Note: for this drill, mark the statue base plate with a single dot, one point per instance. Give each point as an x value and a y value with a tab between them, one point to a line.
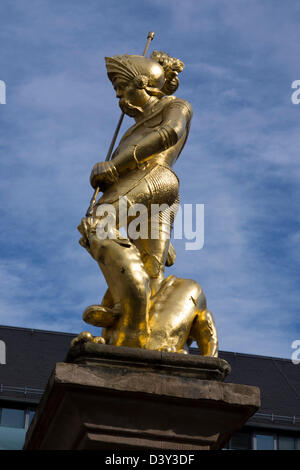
115	398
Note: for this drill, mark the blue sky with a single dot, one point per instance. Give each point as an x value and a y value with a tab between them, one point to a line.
241	159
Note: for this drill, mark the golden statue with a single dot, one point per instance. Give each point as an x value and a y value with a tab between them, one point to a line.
142	308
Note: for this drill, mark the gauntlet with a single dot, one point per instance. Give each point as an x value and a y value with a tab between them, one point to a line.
103	174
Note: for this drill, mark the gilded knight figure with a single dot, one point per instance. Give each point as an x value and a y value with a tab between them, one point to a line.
141	307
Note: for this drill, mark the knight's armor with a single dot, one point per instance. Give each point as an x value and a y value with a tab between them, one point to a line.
141	171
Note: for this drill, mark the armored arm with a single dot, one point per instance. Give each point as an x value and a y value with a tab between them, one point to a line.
176	120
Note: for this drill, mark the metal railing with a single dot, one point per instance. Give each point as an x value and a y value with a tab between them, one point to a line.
23	390
273	417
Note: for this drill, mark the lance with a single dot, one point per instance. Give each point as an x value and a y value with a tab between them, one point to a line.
111	147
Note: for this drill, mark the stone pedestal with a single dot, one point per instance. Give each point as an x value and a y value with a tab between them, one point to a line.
106	397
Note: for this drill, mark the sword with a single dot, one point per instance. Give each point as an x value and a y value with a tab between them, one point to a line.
111	147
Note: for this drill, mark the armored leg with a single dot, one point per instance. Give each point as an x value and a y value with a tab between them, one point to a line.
128	282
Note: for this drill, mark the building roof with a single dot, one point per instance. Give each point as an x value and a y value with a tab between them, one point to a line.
30	358
31	355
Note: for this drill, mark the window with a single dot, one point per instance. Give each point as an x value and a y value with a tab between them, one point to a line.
13	426
286	443
240	441
12	418
244	440
264	442
31	414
